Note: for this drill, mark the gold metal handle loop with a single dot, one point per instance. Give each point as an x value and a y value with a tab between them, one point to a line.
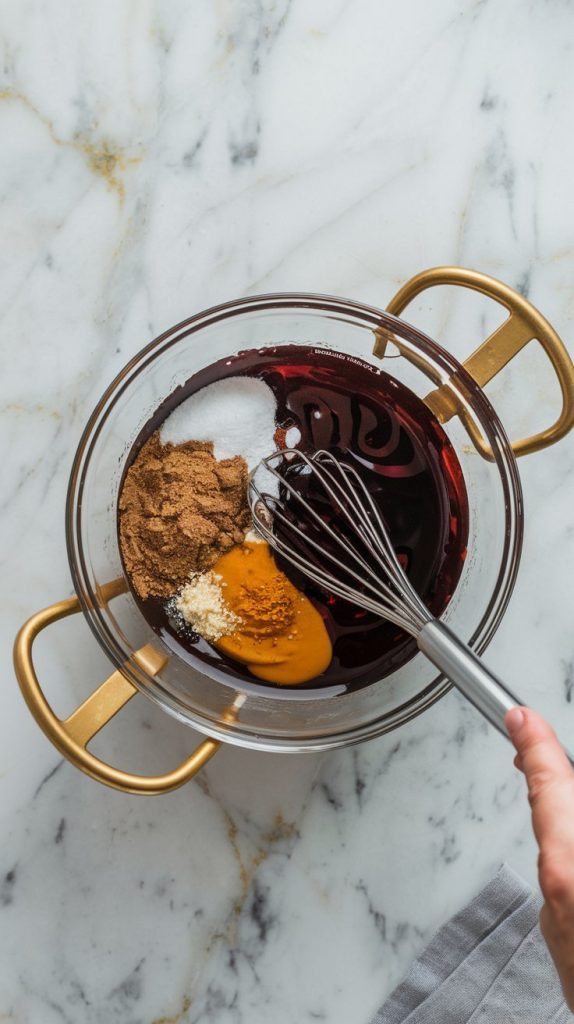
524	323
71	735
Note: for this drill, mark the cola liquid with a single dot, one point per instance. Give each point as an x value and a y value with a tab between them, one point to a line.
374	422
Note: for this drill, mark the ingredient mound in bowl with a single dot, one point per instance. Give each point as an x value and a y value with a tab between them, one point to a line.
183	522
263	621
179	509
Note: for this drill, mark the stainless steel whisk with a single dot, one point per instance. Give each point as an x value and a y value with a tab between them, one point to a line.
377	581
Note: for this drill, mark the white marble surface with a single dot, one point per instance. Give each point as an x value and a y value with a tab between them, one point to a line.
158	158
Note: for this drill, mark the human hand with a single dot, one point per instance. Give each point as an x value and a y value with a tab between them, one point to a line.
550	780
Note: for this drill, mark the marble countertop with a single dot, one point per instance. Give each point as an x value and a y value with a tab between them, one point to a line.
157	159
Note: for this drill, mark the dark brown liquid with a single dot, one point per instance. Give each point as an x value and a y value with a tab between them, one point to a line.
345	405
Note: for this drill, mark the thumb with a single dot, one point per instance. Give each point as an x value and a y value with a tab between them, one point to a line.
547	770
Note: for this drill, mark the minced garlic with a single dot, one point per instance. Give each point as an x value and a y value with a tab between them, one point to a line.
203	606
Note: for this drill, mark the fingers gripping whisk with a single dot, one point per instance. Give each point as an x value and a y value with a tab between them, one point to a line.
348	553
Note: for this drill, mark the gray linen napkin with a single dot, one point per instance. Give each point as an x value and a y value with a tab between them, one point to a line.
488	964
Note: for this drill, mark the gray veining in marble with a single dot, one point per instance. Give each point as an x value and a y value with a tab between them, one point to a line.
157	159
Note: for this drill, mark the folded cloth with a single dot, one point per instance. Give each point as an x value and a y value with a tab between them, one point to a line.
488	964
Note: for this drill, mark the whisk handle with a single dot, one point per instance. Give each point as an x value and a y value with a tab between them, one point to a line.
462	666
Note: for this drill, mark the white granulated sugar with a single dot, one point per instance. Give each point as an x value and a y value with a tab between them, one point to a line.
253	537
292	437
202	604
237	414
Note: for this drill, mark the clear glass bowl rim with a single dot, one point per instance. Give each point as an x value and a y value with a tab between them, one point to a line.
366	315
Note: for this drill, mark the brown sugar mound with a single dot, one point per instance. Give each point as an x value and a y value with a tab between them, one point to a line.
179	510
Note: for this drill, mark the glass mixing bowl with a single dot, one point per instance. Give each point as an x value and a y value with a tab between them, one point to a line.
250	714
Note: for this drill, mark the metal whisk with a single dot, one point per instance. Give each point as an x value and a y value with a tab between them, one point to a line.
356	561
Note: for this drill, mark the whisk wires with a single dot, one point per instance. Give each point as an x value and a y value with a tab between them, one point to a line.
361	550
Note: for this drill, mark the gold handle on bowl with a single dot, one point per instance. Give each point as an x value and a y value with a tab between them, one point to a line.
72	735
523	324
